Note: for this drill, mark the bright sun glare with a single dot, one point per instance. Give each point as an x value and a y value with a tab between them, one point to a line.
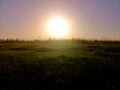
58	27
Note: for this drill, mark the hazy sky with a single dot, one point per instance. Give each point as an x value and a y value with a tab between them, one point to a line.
27	19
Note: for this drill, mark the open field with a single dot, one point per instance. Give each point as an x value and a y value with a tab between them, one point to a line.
59	64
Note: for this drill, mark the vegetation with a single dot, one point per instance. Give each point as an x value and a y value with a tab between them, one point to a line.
59	64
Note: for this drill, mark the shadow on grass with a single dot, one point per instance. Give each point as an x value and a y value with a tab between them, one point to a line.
58	73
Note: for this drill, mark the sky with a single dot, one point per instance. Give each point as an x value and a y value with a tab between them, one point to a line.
88	19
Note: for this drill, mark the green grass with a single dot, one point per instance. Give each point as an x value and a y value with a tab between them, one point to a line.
60	65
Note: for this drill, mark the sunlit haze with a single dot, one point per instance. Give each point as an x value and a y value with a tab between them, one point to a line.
84	19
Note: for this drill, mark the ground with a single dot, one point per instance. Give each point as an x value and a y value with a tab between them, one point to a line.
59	64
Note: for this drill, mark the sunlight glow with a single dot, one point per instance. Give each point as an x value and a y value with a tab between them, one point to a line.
58	27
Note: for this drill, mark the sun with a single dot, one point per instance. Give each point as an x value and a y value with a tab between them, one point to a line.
58	27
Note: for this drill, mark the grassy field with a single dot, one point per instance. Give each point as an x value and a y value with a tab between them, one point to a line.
59	64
